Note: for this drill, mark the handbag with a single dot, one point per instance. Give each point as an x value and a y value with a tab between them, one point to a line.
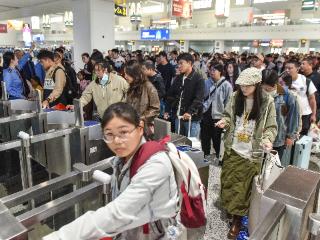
270	170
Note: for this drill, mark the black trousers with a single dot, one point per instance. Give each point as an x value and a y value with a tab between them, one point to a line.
305	124
210	133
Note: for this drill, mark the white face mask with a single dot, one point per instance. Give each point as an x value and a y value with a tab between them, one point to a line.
104	79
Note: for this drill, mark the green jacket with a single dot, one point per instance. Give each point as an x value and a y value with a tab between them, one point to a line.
265	129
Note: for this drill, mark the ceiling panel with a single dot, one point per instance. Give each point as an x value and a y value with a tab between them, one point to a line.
11	9
4	8
22	3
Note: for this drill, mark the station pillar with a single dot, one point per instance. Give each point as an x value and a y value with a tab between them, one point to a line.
93	27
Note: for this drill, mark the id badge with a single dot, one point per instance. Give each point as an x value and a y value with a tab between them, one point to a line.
49	84
243	137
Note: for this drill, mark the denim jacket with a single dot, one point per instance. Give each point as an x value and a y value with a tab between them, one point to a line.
219	99
288	115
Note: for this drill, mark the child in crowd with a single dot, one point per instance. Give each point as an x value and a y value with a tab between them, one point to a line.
82	81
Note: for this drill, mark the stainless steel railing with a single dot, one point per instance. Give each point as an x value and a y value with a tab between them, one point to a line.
13	227
269	223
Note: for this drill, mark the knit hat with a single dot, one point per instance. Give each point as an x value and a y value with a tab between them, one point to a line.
249	76
259	56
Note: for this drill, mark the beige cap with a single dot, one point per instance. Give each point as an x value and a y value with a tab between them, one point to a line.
259	56
249	76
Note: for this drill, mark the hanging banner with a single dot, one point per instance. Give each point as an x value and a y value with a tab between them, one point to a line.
222	8
120	10
15	24
182	8
309	5
3	28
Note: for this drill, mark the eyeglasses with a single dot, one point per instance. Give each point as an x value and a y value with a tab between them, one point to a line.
123	136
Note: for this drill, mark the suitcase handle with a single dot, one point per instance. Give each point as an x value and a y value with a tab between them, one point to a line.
189	125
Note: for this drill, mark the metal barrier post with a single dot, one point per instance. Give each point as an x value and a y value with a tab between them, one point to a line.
4	95
314	225
25	163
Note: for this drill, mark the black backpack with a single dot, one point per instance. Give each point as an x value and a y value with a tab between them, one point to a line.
72	88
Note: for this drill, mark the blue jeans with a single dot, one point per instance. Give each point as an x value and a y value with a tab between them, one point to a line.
162	108
184	127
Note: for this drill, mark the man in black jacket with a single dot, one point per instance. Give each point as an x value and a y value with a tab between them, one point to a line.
186	96
154	77
166	69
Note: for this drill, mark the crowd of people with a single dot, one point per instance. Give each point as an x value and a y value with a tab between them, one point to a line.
263	102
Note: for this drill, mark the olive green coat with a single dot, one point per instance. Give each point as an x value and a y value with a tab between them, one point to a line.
238	172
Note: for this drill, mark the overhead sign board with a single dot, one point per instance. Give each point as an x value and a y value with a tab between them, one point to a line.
155	34
200	4
3	28
222	8
309	5
276	43
120	10
182	8
268	1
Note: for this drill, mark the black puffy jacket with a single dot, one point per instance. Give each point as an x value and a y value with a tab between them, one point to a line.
192	95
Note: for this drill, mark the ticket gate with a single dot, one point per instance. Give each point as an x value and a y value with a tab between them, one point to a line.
54	139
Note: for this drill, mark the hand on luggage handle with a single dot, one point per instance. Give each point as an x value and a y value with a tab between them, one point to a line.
189	125
267	147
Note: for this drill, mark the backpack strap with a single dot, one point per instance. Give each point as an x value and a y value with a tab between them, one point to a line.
143	154
54	73
214	90
140	157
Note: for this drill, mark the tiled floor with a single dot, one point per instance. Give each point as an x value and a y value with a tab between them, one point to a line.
217	227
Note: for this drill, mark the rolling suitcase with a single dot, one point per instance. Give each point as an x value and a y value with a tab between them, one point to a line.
196	154
195	142
302	152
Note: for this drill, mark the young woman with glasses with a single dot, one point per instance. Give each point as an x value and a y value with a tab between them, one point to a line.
149	197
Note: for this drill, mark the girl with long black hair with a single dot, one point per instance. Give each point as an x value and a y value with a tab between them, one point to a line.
250	122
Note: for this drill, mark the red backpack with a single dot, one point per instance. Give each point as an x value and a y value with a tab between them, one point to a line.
192	192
